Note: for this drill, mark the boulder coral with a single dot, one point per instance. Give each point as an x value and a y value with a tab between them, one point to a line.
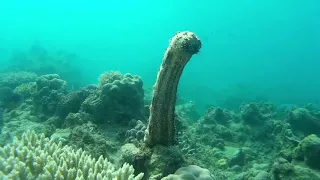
117	100
50	89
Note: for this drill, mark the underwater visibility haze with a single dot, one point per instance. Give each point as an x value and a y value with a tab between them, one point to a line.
160	90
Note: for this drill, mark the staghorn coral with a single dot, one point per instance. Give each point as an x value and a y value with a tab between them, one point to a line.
37	157
161	128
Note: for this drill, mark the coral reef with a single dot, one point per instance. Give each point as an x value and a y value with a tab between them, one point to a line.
191	172
117	100
76	119
161	130
9	99
304	121
70	104
88	137
164	161
308	151
50	89
255	113
188	111
284	170
40	61
1	118
100	131
18	120
28	90
109	77
137	133
14	79
37	157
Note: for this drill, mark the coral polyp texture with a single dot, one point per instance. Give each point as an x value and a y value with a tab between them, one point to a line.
161	128
37	157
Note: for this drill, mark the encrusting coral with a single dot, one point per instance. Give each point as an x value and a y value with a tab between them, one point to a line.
161	129
37	157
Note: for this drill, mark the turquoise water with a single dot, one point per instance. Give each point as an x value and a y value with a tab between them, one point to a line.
253	49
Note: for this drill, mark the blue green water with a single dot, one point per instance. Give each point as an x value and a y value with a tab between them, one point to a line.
254	49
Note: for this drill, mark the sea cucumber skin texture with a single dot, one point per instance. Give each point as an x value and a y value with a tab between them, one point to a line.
161	127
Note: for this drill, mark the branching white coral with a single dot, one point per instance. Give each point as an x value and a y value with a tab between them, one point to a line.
37	157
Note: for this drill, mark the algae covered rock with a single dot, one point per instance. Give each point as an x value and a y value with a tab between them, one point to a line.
304	121
164	161
284	170
254	174
309	151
